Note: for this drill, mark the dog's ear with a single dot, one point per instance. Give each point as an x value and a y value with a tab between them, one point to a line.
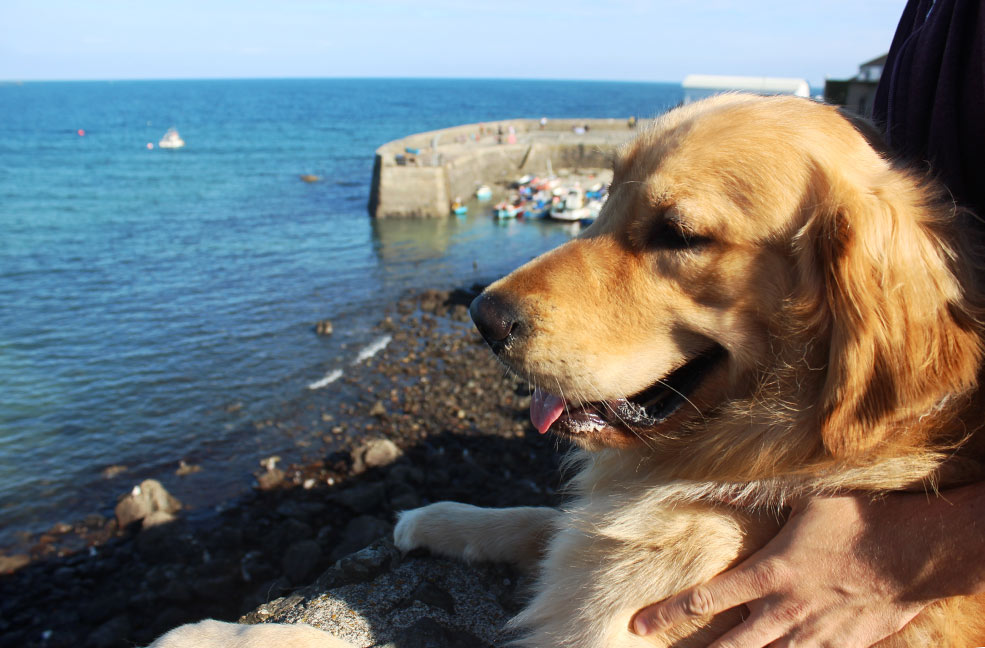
882	279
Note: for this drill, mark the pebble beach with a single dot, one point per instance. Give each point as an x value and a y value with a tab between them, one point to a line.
432	416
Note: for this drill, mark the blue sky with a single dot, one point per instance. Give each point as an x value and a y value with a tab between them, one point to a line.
662	40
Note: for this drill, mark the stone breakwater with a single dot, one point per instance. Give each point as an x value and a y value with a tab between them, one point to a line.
419	176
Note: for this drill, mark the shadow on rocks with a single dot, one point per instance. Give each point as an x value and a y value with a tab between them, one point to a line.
377	597
138	585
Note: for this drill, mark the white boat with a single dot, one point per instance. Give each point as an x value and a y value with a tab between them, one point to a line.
171	140
483	193
571	207
576	214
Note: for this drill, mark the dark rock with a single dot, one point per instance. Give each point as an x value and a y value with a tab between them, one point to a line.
360	498
166	544
362	565
430	594
428	633
406	502
282	535
108	604
176	591
110	634
340	461
404	474
300	560
359	533
63	575
172	617
269	591
254	566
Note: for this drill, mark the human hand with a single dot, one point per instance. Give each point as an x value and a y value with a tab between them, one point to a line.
843	571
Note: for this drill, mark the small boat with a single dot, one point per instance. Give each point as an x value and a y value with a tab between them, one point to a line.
171	140
596	191
536	211
571	207
576	214
483	193
506	210
458	208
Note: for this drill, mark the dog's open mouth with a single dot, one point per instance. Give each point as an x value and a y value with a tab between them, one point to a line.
647	409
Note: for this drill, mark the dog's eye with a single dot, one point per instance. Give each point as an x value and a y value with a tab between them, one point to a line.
668	236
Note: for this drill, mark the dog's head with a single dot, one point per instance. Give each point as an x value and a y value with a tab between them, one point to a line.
755	254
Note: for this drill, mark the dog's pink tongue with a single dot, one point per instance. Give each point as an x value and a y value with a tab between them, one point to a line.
545	409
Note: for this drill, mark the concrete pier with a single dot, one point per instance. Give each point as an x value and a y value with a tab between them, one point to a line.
420	175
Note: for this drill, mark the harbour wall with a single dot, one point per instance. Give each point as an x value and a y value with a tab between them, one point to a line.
420	175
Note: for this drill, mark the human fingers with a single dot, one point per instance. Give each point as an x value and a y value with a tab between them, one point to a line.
756	632
747	582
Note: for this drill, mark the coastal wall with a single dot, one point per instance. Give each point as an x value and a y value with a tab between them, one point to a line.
451	163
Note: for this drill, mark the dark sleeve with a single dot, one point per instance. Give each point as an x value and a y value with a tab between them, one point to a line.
931	96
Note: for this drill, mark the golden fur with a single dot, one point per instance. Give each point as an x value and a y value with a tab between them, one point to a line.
840	289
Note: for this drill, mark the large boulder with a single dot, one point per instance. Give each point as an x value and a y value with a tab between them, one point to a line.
148	503
377	597
375	453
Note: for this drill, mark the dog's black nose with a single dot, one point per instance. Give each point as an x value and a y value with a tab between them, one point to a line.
495	317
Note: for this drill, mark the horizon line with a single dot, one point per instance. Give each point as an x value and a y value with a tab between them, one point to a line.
15	80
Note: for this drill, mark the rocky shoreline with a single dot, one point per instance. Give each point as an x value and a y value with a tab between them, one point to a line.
431	417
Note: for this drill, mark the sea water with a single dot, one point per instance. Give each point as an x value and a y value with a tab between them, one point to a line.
153	301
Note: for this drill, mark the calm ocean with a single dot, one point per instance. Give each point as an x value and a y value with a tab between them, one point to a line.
152	302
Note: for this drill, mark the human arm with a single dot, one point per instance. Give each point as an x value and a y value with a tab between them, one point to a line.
844	571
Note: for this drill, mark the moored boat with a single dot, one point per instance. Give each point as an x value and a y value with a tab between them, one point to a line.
171	140
505	210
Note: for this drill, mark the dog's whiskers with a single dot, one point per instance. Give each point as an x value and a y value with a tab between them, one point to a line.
688	400
561	394
608	406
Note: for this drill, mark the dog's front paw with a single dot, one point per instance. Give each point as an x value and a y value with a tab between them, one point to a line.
410	532
404	534
441	528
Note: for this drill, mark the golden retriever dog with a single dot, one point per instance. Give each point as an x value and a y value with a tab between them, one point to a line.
766	308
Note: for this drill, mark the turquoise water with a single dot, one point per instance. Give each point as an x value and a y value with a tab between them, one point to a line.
152	302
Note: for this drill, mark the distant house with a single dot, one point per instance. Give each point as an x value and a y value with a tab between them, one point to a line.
699	86
858	93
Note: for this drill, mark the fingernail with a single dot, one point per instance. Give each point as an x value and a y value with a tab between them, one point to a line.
640	626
